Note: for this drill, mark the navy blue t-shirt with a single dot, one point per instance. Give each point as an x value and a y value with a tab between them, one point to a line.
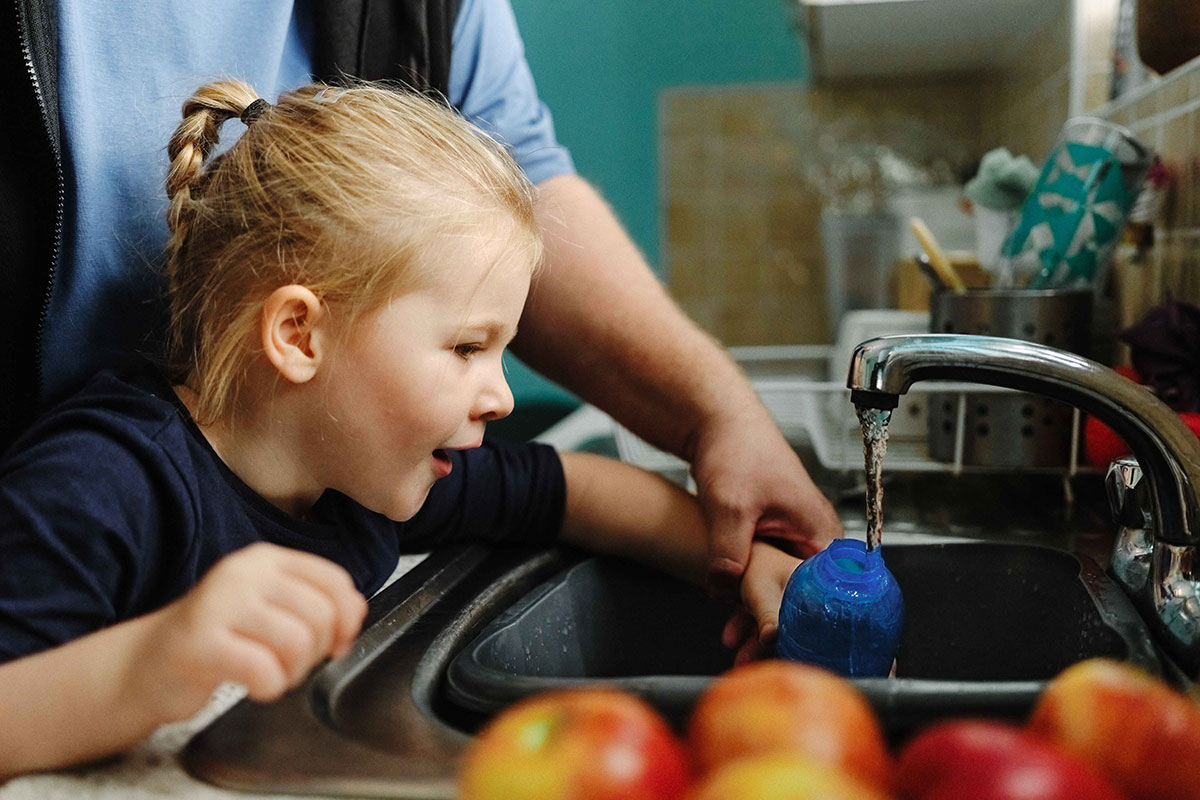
113	504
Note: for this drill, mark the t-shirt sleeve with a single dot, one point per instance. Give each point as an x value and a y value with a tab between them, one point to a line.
491	84
73	511
500	492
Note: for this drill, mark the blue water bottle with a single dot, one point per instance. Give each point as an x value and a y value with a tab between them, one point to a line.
842	610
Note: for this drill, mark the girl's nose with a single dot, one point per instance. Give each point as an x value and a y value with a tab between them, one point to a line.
496	399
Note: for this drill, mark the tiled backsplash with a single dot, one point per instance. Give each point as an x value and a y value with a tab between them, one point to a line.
739	223
745	174
1025	103
743	188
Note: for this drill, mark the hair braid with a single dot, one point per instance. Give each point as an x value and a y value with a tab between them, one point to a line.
191	144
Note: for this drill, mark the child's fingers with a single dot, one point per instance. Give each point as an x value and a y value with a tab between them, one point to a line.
288	637
311	606
336	585
762	595
248	662
752	649
738	628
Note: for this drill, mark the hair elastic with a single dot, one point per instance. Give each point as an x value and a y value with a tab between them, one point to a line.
254	111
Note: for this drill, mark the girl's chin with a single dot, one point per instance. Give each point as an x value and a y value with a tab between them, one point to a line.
405	508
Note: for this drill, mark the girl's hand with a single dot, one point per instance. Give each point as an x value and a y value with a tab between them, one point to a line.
751	630
262	617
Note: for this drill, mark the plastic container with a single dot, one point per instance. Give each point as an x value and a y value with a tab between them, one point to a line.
1075	213
992	227
842	610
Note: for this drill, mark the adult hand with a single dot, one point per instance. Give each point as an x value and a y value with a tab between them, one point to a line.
262	617
751	484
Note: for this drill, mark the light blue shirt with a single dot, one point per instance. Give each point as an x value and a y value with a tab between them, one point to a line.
125	68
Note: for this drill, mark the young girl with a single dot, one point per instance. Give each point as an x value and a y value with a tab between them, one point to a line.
343	283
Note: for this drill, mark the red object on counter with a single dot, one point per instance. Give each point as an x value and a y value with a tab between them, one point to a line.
989	760
1132	727
1102	445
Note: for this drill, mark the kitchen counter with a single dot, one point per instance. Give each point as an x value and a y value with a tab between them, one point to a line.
148	770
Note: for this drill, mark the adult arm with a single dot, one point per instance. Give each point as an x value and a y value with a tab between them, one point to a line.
599	322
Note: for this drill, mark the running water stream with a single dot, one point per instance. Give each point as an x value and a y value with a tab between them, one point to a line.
874	422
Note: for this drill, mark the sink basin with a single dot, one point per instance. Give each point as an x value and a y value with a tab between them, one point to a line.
986	625
472	629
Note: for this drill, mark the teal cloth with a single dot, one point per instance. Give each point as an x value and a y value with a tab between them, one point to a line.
1003	180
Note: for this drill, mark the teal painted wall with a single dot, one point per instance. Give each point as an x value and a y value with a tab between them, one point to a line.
600	65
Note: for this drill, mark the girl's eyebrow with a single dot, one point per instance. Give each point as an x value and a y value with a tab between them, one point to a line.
492	329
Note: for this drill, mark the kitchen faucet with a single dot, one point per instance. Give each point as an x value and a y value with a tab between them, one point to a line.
1167	454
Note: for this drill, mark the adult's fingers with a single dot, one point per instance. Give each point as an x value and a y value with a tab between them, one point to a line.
803	533
731	530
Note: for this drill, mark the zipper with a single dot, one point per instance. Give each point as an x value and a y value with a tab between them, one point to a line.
60	207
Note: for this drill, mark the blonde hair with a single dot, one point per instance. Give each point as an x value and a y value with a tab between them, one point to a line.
345	191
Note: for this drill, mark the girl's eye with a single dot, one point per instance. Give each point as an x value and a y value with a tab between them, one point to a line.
465	351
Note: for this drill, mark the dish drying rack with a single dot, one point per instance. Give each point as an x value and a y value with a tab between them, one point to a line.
798	386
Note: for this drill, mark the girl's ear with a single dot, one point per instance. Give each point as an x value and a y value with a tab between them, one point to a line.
293	337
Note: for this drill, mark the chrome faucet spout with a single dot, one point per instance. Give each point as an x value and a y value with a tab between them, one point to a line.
1157	554
1169	453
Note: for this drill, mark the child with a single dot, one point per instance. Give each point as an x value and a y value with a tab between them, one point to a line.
343	282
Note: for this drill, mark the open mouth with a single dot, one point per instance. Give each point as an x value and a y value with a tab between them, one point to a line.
442	465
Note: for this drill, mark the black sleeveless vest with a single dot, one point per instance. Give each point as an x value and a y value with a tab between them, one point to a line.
406	41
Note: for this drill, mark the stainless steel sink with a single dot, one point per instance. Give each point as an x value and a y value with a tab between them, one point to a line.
988	623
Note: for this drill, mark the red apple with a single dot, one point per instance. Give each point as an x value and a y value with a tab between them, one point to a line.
781	777
1138	730
771	707
583	744
985	760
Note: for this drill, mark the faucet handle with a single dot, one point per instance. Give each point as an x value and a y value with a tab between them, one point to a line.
1128	493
